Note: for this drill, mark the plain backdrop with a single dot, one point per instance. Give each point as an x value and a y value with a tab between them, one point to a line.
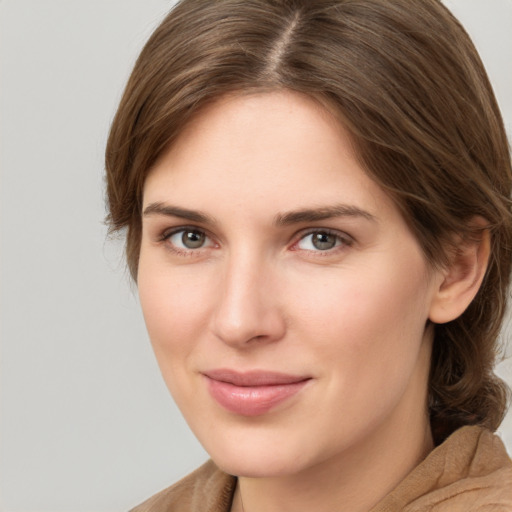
87	424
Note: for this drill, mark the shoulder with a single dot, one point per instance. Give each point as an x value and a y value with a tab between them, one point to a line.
469	472
482	471
207	489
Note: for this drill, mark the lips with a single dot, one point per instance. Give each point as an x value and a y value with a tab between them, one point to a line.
252	393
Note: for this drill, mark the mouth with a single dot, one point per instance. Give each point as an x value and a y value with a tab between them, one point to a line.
252	393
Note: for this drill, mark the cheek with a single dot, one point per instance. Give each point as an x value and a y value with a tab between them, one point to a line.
174	305
370	318
366	329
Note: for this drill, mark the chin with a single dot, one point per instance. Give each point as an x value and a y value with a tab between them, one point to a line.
257	456
264	466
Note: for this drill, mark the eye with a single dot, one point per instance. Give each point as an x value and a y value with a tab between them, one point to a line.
321	240
187	239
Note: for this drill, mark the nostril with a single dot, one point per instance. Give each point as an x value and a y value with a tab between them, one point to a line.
245	311
249	328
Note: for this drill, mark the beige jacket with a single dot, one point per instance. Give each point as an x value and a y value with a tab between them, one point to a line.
469	472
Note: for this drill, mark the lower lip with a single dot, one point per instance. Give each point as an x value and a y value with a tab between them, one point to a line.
252	400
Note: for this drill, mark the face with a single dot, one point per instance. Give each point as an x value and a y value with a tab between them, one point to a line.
284	295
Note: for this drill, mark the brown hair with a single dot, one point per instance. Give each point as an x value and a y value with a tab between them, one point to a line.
406	81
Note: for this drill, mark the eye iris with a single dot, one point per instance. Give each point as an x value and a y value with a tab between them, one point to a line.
323	241
193	239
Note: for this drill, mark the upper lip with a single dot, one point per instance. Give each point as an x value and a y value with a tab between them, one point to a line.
253	377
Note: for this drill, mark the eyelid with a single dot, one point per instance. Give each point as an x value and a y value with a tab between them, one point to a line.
166	234
345	239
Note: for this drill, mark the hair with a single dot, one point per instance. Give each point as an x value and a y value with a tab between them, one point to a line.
405	79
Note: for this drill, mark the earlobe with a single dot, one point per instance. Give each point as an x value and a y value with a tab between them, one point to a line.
462	279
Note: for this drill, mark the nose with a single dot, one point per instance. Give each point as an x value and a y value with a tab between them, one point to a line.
248	308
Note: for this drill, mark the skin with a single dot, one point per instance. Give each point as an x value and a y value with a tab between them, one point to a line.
258	294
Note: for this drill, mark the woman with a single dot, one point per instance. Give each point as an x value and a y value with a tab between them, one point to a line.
317	203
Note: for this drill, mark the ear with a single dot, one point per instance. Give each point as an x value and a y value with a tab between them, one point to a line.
461	280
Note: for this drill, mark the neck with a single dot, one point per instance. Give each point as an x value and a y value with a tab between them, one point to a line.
357	482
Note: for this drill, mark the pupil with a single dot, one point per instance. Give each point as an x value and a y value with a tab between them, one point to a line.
192	239
324	241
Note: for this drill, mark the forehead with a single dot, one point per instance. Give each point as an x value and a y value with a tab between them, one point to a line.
253	115
274	151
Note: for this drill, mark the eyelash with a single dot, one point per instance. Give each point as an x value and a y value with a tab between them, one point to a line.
343	240
168	234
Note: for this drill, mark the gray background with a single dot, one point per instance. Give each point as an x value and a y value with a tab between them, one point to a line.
86	422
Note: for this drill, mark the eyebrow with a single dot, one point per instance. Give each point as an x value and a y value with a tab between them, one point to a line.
322	213
281	219
177	211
